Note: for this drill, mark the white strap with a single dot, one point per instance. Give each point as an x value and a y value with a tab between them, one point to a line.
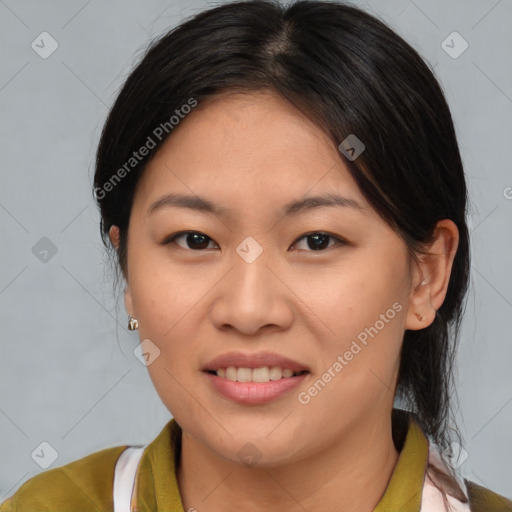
432	498
124	477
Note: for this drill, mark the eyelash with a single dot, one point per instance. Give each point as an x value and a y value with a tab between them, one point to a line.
172	238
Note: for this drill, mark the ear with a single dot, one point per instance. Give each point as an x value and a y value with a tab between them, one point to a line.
113	234
431	276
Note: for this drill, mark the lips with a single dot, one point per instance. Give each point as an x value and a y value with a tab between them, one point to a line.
256	360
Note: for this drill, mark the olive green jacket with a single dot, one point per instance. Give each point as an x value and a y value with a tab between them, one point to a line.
87	483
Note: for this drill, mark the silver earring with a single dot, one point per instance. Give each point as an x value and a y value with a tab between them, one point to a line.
133	323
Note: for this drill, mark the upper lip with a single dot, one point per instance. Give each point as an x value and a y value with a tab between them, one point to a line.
256	360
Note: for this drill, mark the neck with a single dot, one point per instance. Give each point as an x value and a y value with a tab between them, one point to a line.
350	474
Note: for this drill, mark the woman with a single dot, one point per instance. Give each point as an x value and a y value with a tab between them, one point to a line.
285	200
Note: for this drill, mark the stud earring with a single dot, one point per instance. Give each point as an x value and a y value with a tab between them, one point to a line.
133	323
419	317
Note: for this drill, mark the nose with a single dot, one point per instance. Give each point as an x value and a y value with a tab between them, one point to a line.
252	297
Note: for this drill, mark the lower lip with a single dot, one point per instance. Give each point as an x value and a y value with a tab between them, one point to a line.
254	393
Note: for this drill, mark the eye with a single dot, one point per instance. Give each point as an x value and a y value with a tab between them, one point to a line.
318	240
195	240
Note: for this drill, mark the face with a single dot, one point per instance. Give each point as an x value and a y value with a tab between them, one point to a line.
328	287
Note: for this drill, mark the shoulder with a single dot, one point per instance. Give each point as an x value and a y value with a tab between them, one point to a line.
84	484
482	499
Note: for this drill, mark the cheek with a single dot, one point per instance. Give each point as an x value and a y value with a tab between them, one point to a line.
162	292
353	295
163	303
363	306
171	304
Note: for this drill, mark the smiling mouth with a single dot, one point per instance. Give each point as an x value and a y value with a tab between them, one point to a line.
258	375
255	386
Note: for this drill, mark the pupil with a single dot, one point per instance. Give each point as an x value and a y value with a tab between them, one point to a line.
318	238
193	238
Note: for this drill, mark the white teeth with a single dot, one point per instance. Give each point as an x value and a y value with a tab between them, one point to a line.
263	374
260	374
244	375
275	373
231	373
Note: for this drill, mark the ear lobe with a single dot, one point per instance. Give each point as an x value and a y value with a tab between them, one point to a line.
113	234
432	276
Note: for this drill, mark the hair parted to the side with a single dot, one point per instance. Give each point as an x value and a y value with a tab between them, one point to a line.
351	74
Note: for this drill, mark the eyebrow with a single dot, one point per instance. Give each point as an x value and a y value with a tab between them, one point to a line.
293	208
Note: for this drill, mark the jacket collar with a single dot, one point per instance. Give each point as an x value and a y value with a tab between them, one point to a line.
157	486
405	487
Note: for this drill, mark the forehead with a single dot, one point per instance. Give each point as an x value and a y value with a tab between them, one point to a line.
248	150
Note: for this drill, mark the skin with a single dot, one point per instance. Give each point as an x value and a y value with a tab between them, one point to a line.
253	153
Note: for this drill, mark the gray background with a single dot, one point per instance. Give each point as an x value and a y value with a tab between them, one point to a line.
64	378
